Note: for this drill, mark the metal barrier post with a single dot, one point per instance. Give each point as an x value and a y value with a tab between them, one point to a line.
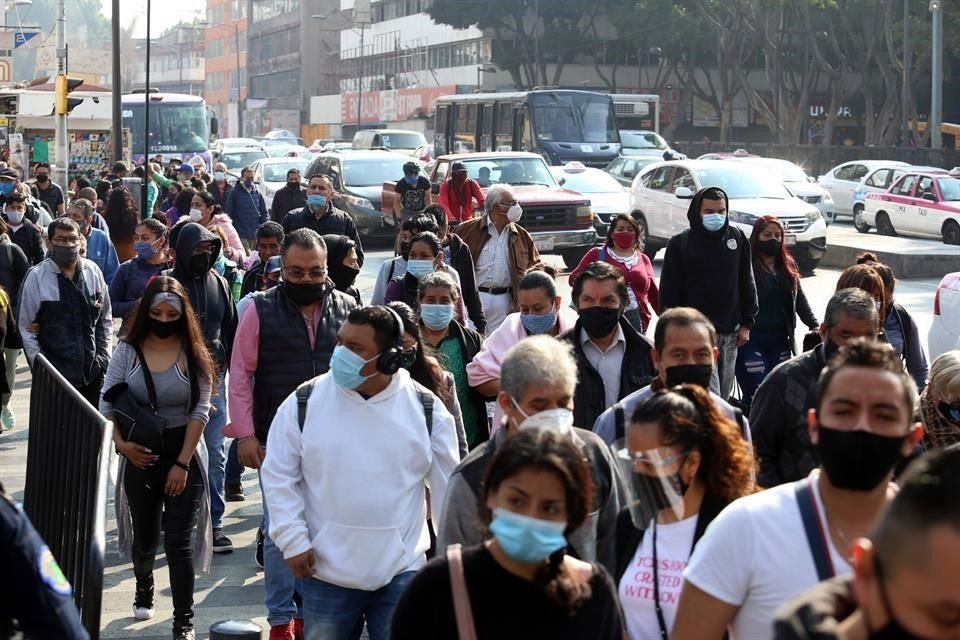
235	630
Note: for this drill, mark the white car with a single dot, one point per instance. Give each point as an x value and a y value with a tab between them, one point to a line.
797	182
878	180
945	329
843	180
270	174
607	196
923	204
661	197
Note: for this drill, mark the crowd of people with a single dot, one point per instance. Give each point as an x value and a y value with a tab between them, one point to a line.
469	455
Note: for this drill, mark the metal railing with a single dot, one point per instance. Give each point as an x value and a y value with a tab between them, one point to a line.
65	494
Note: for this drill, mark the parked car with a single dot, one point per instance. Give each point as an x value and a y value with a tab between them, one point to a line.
661	196
283	134
626	168
560	220
797	182
843	180
876	181
923	204
392	139
945	328
337	146
270	174
358	178
607	196
643	143
298	151
238	157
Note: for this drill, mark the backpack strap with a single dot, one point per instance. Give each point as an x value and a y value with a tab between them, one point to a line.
602	254
816	535
619	421
303	395
147	378
462	611
426	399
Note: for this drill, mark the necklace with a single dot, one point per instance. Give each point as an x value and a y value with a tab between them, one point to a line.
841	534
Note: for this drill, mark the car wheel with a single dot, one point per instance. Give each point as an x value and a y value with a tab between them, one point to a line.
884	226
951	233
858	222
572	257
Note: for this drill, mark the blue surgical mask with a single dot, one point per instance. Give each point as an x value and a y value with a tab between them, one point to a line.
145	250
219	175
412	180
525	539
537	324
345	367
714	221
316	201
436	316
6	188
419	268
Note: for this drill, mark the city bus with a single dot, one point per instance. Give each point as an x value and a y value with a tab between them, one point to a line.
180	125
559	124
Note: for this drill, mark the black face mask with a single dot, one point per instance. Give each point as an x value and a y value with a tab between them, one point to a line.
344	276
405	251
829	349
651	492
599	322
857	460
698	374
163	329
199	265
294	185
769	247
42	178
304	293
408	358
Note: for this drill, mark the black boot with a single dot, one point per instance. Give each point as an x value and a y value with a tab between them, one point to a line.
143	601
183	632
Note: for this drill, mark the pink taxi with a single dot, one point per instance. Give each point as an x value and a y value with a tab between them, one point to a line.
920	203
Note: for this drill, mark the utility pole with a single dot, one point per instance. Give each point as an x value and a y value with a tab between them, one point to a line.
63	149
117	81
144	214
360	79
905	93
236	47
936	72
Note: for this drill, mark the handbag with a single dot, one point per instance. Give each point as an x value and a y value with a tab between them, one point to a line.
466	630
137	423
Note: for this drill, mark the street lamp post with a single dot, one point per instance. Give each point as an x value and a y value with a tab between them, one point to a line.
936	72
116	107
146	124
483	69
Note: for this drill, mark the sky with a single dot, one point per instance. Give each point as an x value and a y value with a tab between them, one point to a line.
162	15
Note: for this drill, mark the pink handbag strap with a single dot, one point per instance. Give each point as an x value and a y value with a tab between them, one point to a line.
461	598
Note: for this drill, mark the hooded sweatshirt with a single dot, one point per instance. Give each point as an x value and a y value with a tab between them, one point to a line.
342	276
710	271
209	293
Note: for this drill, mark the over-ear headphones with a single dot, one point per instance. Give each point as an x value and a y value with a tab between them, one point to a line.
389	362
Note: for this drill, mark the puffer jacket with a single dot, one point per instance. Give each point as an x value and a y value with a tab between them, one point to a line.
247	209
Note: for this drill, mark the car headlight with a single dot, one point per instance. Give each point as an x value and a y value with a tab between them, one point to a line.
813	216
585	213
358	202
743	218
827	197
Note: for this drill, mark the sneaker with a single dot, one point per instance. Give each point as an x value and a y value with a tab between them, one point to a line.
298	629
282	631
234	493
221	543
7	419
143	600
183	633
258	557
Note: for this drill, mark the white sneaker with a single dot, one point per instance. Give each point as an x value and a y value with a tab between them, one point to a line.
142	613
7	419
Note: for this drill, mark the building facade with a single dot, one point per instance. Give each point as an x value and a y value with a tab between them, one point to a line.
176	61
225	85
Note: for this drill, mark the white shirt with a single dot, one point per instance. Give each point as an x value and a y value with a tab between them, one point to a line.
351	485
607	363
493	263
755	556
674	542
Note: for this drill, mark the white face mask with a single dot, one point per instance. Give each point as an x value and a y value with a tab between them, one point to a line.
196	215
514	213
14	217
559	419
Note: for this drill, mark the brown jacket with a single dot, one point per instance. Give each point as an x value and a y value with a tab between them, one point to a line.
523	251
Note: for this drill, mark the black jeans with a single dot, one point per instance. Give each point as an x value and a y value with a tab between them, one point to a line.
152	508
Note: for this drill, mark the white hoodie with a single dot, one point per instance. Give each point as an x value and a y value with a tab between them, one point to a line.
351	486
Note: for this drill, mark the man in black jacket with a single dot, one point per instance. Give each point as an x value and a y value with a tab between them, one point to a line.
778	415
613	360
269	240
457	255
292	196
24	233
708	267
321	216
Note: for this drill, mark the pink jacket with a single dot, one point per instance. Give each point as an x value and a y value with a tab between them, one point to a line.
485	366
233	250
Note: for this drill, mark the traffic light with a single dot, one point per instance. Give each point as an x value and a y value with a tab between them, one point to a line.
64	85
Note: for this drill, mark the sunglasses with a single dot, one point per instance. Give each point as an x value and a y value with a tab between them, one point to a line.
949	411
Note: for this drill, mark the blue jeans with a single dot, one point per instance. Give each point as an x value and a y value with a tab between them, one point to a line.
213	437
338	613
234	468
279	584
757	358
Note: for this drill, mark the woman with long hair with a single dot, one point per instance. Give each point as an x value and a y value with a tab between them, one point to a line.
166	366
623	251
684	461
122	218
780	299
128	284
520	583
181	206
205	211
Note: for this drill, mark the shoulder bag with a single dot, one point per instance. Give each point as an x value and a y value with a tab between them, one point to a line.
466	630
137	423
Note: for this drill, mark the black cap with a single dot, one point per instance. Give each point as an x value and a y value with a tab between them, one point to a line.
9	173
458	167
411	167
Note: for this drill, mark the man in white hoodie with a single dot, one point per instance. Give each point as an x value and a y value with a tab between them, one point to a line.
345	481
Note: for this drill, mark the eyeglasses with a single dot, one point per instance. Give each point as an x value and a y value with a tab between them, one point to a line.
66	241
507	205
296	275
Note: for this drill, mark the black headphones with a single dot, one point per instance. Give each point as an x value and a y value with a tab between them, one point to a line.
389	362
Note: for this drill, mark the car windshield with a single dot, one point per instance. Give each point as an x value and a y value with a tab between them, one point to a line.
787	171
743	182
277	171
516	171
372	172
573	117
240	159
642	140
591	182
949	188
409	141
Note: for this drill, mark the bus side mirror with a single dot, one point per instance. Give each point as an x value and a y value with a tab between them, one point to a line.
214	126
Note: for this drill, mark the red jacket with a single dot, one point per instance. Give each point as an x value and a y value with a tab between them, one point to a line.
450	200
640	279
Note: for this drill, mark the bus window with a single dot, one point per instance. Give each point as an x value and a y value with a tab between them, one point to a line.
441	139
470	131
503	132
522	130
486	127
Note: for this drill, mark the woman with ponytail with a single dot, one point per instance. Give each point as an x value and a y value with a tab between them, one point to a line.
205	211
520	583
685	462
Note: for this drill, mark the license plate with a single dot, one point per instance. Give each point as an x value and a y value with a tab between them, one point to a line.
544	244
790	240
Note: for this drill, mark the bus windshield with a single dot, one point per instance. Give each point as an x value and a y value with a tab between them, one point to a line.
573	117
174	127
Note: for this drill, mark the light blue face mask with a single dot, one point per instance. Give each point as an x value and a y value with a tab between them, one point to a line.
316	201
345	366
436	316
419	268
525	539
6	188
714	221
412	180
538	324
